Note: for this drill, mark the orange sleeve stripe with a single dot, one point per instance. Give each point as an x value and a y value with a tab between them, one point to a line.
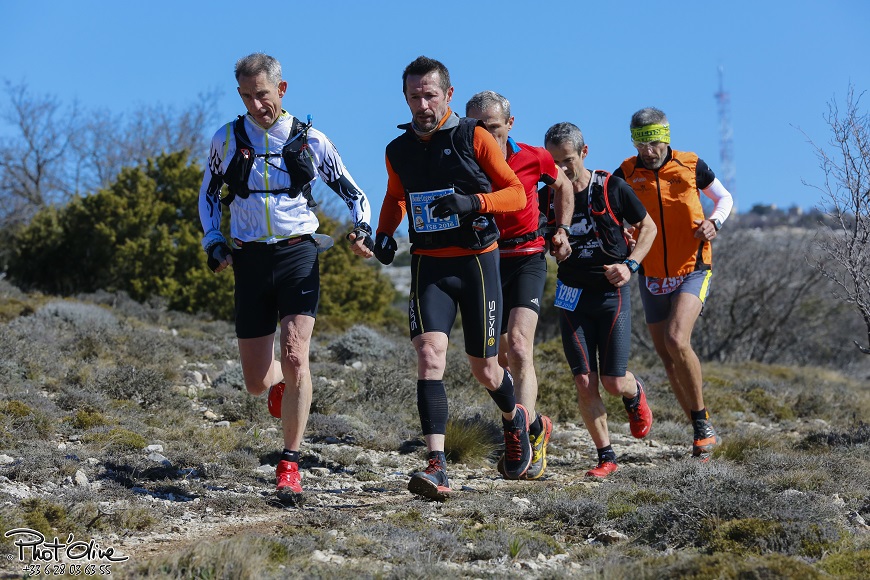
508	194
393	208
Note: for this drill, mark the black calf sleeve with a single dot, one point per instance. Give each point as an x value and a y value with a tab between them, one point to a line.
432	406
504	394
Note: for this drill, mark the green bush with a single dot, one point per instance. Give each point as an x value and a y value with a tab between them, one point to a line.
141	235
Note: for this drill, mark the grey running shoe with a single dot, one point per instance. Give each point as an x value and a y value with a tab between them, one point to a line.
517	448
705	439
432	482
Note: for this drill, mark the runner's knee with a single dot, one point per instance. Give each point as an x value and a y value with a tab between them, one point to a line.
487	372
613	385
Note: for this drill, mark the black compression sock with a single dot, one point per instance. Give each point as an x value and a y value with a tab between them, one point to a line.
632	402
504	394
536	427
700	415
606	454
291	456
432	406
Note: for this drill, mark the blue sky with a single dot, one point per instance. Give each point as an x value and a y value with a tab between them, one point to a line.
593	64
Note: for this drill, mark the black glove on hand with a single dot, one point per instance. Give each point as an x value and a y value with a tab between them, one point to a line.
454	203
385	248
217	253
363	230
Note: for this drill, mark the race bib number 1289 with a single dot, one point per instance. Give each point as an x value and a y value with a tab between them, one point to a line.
566	296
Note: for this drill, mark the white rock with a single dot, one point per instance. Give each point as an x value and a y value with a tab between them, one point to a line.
81	478
521	502
157	458
156	447
6	460
222	424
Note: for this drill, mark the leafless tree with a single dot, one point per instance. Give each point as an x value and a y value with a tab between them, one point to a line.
846	200
36	166
111	141
767	304
52	152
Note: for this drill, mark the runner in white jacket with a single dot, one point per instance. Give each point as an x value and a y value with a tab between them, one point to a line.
271	249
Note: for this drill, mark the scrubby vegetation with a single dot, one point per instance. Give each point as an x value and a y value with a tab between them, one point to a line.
127	424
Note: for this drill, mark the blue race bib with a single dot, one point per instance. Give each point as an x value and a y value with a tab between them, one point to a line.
422	216
566	296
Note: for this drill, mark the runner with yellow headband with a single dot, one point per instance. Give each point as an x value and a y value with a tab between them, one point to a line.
676	273
651	133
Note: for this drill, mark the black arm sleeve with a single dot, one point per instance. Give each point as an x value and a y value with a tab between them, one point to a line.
704	176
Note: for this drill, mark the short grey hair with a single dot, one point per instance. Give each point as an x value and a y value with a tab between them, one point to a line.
565	132
648	116
256	63
486	99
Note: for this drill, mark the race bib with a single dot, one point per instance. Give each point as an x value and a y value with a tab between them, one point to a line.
566	296
422	216
662	286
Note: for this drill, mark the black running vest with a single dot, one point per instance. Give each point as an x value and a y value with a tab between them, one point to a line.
297	162
446	160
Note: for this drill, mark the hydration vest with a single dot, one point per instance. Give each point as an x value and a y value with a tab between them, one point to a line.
606	226
446	160
297	160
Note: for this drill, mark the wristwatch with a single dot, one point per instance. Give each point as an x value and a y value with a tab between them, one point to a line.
565	227
632	265
717	224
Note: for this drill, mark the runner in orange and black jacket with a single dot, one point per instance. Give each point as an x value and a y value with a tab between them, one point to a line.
449	176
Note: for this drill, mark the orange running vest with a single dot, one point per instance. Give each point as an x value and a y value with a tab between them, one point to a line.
672	198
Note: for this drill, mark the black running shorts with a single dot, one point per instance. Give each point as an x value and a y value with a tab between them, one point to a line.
598	332
439	285
522	283
274	281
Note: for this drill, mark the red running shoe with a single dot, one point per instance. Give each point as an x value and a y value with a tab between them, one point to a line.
288	476
640	419
602	470
276	394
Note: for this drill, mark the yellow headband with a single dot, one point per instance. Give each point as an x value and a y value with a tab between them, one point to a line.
650	133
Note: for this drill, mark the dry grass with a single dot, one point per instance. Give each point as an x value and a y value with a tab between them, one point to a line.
86	385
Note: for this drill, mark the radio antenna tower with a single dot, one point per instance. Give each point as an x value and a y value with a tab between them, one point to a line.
726	145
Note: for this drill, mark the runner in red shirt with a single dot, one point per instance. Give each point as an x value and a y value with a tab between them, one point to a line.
523	260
